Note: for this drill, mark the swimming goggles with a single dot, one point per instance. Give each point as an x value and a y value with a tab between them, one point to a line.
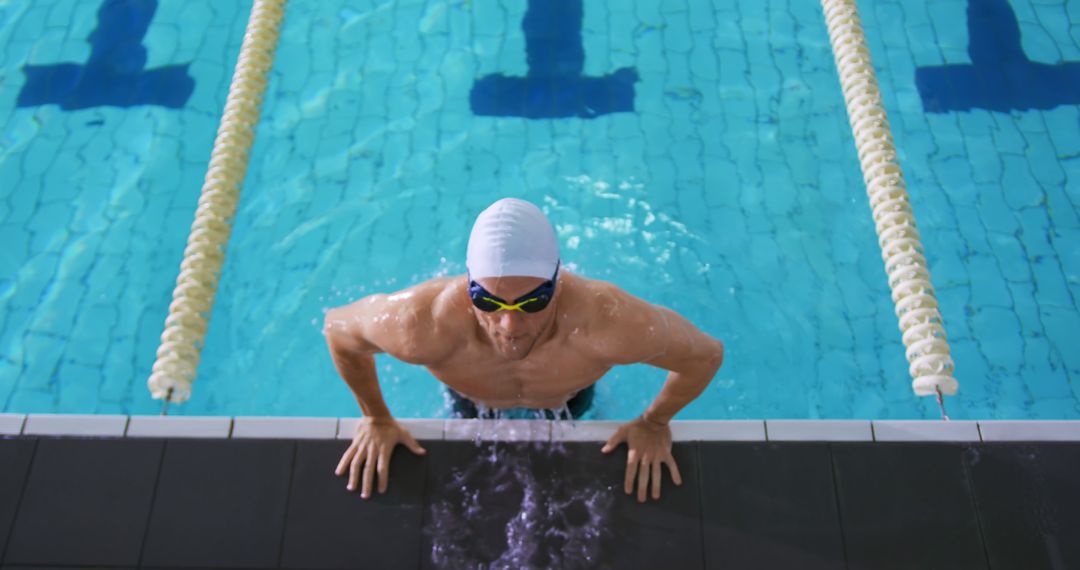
532	302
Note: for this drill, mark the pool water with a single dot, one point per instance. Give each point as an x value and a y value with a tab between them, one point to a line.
726	187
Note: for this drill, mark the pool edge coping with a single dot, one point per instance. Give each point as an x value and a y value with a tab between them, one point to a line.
328	428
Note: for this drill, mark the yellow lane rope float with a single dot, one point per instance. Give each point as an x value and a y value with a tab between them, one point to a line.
931	367
185	327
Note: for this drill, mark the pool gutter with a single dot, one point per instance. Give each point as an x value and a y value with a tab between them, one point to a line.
260	427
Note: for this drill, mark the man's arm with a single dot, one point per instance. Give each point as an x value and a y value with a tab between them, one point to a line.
638	331
354	355
354	334
692	359
401	324
660	337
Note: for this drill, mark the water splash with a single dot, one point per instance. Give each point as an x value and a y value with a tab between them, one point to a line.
505	510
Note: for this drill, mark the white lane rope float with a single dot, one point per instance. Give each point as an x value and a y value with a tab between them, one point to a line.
185	326
931	366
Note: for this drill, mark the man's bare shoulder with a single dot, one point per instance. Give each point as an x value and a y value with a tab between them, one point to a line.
420	324
606	303
622	328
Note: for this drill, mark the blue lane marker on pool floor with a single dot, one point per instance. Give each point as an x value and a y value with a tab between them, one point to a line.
115	74
1000	77
554	86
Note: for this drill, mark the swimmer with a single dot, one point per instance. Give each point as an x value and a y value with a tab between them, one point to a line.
517	331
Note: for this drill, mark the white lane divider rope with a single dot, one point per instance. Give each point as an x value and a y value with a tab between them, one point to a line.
185	327
931	367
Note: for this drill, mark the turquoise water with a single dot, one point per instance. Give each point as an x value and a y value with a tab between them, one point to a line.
731	194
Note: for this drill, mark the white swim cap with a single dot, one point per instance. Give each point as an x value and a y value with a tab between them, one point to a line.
512	238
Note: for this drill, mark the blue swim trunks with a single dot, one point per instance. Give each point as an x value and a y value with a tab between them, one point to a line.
464	408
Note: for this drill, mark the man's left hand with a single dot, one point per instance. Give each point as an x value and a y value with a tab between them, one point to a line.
650	446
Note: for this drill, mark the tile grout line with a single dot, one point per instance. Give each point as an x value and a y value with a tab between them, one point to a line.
18	505
970	476
288	502
153	501
701	503
836	499
424	506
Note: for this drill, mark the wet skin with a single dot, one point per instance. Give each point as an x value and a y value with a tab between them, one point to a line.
509	359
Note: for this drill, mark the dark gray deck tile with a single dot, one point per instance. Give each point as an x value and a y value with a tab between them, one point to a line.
220	503
71	568
554	506
769	506
63	567
1028	498
906	506
86	503
329	527
15	455
654	534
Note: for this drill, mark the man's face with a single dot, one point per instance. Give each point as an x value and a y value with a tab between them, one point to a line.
514	333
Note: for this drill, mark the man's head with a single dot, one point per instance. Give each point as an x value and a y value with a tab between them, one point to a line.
513	261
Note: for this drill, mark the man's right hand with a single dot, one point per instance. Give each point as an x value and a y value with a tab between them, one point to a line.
370	451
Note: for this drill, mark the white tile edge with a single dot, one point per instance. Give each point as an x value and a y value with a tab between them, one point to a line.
420	429
205	427
718	430
584	430
76	425
786	430
1029	430
12	424
284	427
111	425
431	430
485	430
957	431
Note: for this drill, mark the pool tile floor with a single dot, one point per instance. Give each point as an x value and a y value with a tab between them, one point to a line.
194	503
